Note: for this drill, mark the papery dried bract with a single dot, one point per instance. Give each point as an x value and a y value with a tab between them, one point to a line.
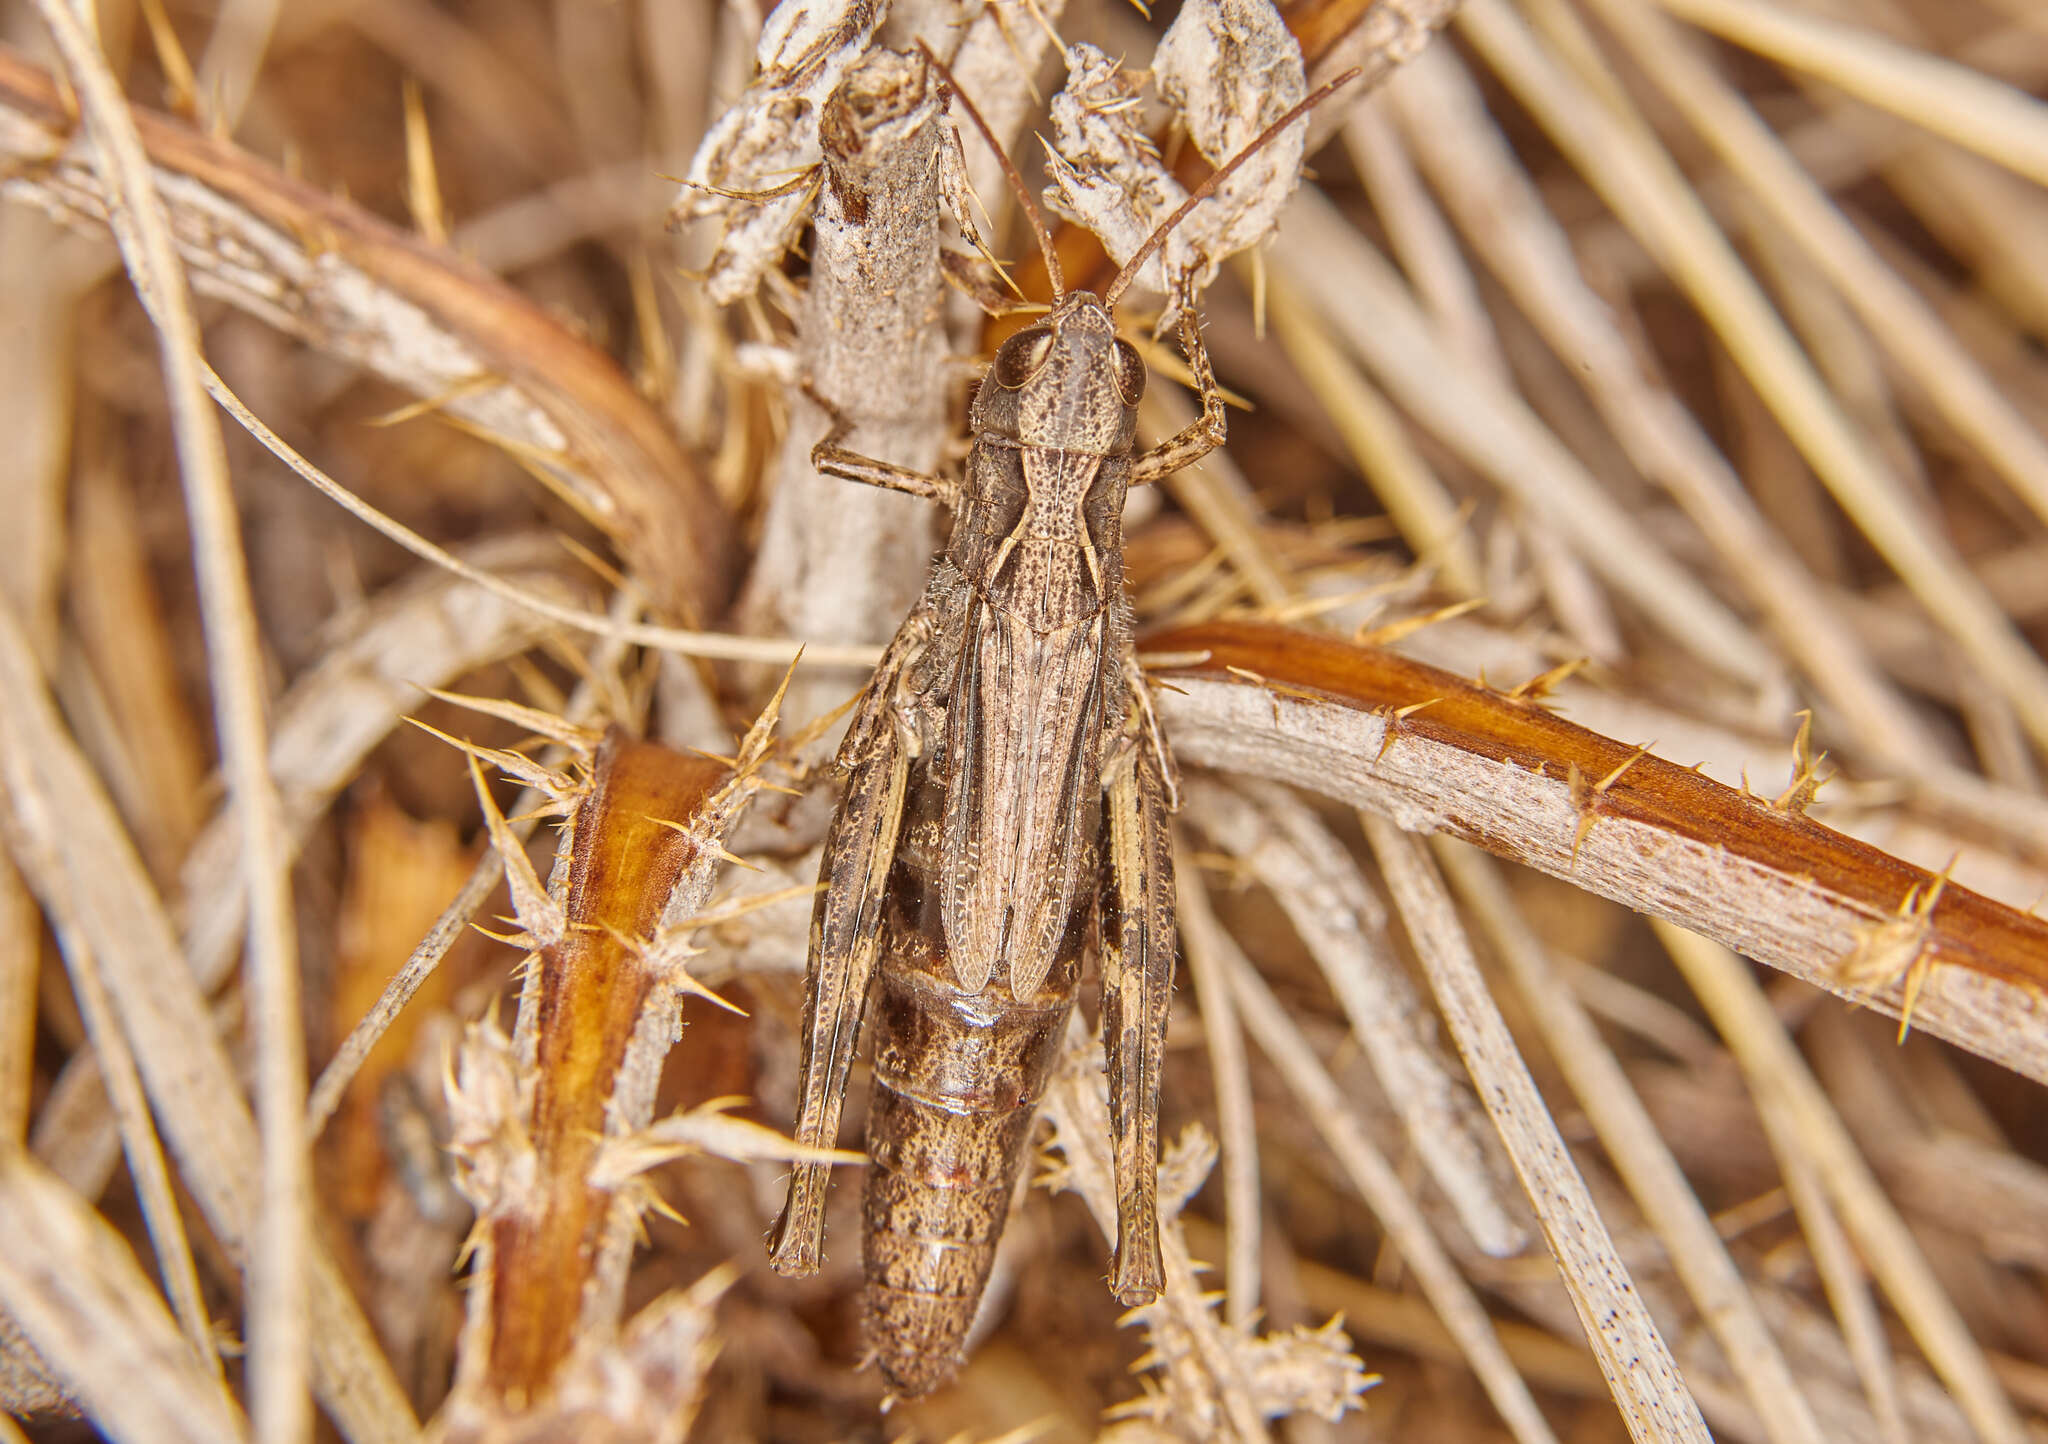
488	1105
769	138
1229	68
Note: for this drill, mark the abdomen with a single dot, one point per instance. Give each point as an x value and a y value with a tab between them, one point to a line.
957	1080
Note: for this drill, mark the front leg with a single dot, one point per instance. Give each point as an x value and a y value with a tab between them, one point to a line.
832	459
1137	986
1200	437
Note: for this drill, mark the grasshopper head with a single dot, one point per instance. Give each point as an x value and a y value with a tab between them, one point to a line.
1068	383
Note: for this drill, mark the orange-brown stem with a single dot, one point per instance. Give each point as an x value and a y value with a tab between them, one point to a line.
593	986
1442	753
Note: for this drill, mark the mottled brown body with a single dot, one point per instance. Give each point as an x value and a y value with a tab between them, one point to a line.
957	1078
1005	790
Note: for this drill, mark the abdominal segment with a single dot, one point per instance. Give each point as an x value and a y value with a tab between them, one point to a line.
957	1080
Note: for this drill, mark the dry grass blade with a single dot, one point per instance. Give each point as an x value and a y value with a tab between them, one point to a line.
278	1290
183	1063
1969	108
1646	189
1629	1135
1779	1078
1654	1401
74	1287
1501	214
1497	434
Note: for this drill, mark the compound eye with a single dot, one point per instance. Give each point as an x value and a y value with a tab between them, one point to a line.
1021	357
1130	373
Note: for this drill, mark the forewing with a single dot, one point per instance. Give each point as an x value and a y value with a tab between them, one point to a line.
1138	938
1024	738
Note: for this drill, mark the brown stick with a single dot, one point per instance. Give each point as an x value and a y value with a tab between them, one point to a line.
1439	753
347	283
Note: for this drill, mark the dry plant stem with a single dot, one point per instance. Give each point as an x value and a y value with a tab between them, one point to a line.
1444	122
1842	1276
1421	506
1236	1124
425	631
1780	1080
139	1142
1343	925
1970	108
326	1093
1377	36
837	562
58	802
1918	341
1441	754
74	1287
1380	1187
1642	185
1493	430
277	1289
554	1268
343	281
1629	1136
1651	1394
21	938
673	639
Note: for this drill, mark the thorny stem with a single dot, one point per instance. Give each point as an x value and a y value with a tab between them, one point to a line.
1442	754
843	563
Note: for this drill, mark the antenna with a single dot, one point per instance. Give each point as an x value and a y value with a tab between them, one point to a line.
1203	191
1031	210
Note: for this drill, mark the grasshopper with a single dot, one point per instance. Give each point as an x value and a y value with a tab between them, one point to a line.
1007	787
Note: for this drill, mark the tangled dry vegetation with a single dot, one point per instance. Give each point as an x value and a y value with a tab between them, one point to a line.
1639	397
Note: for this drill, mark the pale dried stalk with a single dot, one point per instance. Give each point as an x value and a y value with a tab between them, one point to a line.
1780	1081
1283	845
839	562
1919	343
278	1291
424	631
1494	431
1842	1276
1643	186
1970	108
139	1139
1419	503
1380	1186
183	1063
328	272
1739	889
21	940
1631	1141
1497	207
1644	1378
1237	1127
74	1287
